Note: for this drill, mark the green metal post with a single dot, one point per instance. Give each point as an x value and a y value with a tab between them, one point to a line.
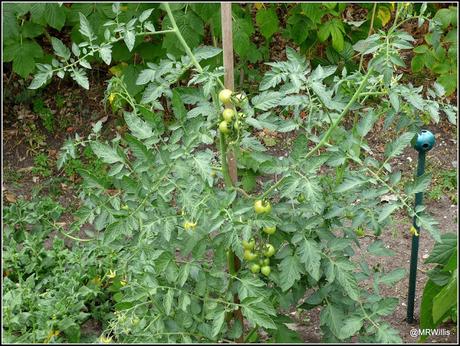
423	143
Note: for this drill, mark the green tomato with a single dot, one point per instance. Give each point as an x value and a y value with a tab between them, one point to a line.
264	262
249	255
266	270
236	125
270	230
255	268
223	127
228	114
261	207
270	250
268	207
225	96
249	245
258	207
301	198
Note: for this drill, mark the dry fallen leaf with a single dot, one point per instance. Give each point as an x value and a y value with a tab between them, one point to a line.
10	197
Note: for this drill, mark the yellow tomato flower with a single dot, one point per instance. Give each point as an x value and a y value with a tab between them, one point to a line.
111	98
413	231
111	274
50	335
189	225
105	340
123	282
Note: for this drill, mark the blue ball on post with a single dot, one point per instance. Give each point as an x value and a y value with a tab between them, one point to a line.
424	141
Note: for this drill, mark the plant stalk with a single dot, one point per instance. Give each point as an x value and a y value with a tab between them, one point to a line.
328	133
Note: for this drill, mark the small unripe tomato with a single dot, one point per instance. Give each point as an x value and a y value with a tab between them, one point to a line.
266	270
223	127
270	250
255	268
228	114
261	207
236	125
249	245
225	96
270	230
249	255
266	261
258	207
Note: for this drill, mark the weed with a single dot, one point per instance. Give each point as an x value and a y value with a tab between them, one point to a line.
444	183
42	165
45	114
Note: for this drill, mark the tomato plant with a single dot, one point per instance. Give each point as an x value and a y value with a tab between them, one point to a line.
184	286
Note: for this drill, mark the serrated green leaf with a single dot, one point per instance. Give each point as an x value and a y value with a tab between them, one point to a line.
290	270
250	286
387	210
396	147
332	317
310	256
79	75
420	184
106	54
218	322
347	280
60	48
266	100
85	27
105	153
350	183
392	277
139	128
168	301
351	326
377	248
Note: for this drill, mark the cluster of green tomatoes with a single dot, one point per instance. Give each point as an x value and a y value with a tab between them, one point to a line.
230	119
258	255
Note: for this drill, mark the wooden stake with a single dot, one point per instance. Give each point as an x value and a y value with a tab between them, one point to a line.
227	46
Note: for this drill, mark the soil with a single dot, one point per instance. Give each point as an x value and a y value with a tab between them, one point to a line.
85	108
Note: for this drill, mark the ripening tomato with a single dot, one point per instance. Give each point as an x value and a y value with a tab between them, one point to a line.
228	114
225	96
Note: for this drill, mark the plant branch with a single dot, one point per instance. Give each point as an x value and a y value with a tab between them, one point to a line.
342	114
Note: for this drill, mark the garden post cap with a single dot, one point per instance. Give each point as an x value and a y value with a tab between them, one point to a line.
424	141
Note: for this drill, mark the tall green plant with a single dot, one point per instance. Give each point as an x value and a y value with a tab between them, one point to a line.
172	222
